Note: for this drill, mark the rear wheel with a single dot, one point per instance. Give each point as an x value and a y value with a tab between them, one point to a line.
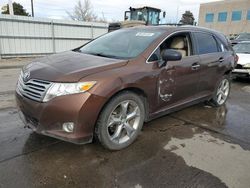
120	121
222	92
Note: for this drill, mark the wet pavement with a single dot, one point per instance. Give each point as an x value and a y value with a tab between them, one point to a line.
30	160
197	147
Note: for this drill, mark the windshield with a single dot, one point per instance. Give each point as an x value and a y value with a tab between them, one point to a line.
242	48
139	15
244	36
121	44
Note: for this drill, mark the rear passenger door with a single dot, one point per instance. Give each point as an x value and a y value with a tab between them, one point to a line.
211	59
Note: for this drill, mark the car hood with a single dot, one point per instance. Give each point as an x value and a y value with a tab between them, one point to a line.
70	66
243	58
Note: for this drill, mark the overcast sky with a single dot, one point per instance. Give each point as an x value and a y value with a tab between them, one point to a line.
111	9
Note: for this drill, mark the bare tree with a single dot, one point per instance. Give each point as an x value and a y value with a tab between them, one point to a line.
83	11
102	19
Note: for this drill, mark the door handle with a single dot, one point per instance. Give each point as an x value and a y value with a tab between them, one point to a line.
221	59
195	66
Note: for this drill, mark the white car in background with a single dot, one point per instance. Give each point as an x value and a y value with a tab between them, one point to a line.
242	68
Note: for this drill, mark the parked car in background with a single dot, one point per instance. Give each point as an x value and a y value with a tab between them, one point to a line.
110	86
242	68
241	37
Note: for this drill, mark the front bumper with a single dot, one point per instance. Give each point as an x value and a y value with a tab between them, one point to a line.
47	118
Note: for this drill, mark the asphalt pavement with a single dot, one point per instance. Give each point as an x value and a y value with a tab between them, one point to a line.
199	146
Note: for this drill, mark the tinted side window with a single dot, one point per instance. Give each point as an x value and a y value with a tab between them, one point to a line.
206	43
180	42
222	47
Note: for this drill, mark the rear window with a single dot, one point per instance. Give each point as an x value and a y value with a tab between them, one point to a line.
206	43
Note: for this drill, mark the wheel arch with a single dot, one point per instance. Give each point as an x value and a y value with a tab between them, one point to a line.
135	90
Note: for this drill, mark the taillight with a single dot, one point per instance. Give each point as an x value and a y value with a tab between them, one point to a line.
236	59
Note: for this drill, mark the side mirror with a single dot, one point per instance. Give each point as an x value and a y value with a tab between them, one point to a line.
127	15
164	14
170	55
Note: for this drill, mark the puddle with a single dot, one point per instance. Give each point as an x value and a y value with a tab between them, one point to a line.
229	162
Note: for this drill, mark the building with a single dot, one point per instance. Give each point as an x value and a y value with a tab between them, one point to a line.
229	16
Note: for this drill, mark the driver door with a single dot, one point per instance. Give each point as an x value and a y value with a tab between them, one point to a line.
178	80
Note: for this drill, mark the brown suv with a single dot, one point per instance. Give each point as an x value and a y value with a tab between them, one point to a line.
110	86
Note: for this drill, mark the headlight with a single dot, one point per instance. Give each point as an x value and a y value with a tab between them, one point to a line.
59	89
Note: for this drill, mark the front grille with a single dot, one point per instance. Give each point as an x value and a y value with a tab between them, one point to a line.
33	89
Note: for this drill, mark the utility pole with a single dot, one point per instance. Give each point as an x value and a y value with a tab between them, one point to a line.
32	8
11	10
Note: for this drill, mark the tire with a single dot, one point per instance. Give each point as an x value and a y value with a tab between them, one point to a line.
120	121
222	92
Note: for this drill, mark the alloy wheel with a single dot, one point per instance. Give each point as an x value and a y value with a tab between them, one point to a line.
123	121
223	91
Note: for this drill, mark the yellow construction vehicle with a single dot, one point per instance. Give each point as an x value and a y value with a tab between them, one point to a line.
138	16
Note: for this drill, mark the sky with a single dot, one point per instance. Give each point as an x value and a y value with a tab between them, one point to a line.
112	10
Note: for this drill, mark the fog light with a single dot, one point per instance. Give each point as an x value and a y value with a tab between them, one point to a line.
68	127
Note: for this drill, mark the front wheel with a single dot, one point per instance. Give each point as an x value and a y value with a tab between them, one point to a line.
222	92
120	121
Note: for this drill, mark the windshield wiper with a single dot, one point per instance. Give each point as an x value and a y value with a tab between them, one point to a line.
105	55
101	54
